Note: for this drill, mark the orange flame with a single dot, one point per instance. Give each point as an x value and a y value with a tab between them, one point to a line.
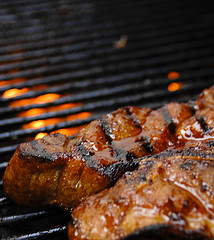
13	81
38	111
11	93
65	131
175	86
50	97
40	135
69	131
32	112
173	75
42	123
35	124
46	98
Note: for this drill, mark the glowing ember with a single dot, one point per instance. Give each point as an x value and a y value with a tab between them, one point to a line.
46	98
40	135
69	131
81	115
174	86
50	97
13	81
63	107
173	75
11	93
32	112
50	121
34	124
38	111
65	131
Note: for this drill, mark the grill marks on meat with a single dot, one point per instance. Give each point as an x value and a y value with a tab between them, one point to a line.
33	174
101	153
198	127
170	196
169	121
121	129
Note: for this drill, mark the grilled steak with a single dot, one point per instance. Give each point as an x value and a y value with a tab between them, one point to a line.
56	170
170	196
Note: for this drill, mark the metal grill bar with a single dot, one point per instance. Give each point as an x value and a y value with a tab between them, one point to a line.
123	5
180	58
23	217
26	132
41	41
3	150
206	51
37	33
50	232
105	92
87	96
95	106
117	79
99	45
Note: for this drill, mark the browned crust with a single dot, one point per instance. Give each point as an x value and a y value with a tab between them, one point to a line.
62	171
171	195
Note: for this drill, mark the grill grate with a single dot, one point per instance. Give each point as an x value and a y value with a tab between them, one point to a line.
97	55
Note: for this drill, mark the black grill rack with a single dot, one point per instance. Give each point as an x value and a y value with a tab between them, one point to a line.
104	54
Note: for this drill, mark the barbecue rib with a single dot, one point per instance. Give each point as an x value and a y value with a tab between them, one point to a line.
56	170
170	196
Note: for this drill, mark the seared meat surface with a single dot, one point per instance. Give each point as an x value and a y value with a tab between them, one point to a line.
170	196
56	170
